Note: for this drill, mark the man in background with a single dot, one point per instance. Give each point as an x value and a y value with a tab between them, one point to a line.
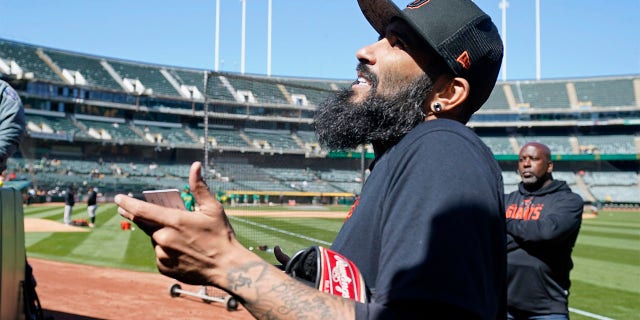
69	202
92	206
187	198
543	219
12	123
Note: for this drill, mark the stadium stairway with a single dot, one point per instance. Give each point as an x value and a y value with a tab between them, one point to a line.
585	189
246	138
50	63
284	92
514	144
225	82
575	145
137	130
191	133
298	141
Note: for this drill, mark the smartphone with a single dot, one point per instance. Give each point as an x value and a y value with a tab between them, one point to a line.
169	198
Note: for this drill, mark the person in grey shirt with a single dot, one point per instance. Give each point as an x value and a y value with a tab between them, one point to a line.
12	123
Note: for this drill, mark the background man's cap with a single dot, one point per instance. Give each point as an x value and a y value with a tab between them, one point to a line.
460	32
186	186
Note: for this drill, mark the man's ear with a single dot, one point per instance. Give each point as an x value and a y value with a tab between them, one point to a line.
451	92
550	167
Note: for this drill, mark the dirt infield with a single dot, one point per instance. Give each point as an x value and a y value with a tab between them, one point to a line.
45	225
74	292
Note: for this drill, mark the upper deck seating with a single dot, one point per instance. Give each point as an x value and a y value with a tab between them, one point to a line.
558	144
608	144
263	91
27	58
497	99
537	95
90	68
150	77
498	145
272	139
222	136
606	92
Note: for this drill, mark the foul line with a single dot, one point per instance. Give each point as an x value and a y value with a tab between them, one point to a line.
297	235
589	314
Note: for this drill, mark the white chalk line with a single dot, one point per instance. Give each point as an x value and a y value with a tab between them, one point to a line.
297	235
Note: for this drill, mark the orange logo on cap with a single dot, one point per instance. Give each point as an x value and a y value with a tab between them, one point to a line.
464	60
417	4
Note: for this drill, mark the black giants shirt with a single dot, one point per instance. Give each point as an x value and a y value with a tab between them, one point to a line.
542	228
428	232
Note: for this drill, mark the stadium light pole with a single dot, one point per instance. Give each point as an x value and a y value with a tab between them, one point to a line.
206	128
216	50
538	59
503	6
269	13
244	31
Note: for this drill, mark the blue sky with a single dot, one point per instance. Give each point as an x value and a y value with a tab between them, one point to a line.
579	38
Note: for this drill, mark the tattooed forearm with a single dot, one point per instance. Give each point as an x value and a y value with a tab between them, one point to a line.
269	294
247	276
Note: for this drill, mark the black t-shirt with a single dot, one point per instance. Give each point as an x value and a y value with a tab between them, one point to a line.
92	198
428	231
69	198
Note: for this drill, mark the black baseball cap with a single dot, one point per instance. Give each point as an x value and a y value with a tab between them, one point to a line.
460	33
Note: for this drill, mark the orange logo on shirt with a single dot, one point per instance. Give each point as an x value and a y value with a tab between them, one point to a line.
525	211
353	207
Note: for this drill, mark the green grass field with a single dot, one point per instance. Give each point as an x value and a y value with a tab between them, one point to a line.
605	279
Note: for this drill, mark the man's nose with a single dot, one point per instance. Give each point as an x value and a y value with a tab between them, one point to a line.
366	54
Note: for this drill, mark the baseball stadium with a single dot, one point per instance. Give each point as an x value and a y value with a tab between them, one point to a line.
124	126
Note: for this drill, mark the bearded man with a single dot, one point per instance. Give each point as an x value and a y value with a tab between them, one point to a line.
426	238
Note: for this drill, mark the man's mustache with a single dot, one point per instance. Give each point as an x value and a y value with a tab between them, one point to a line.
365	72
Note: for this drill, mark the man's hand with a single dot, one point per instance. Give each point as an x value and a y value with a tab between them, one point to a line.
186	245
200	248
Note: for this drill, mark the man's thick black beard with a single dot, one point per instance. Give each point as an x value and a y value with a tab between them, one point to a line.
341	124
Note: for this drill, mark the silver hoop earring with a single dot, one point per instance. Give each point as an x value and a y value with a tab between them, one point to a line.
437	107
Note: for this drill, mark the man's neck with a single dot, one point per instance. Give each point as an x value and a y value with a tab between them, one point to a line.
538	186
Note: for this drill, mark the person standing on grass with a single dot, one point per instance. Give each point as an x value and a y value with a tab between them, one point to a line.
92	206
428	231
187	198
543	220
69	202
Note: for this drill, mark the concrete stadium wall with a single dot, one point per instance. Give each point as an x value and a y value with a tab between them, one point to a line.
12	254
